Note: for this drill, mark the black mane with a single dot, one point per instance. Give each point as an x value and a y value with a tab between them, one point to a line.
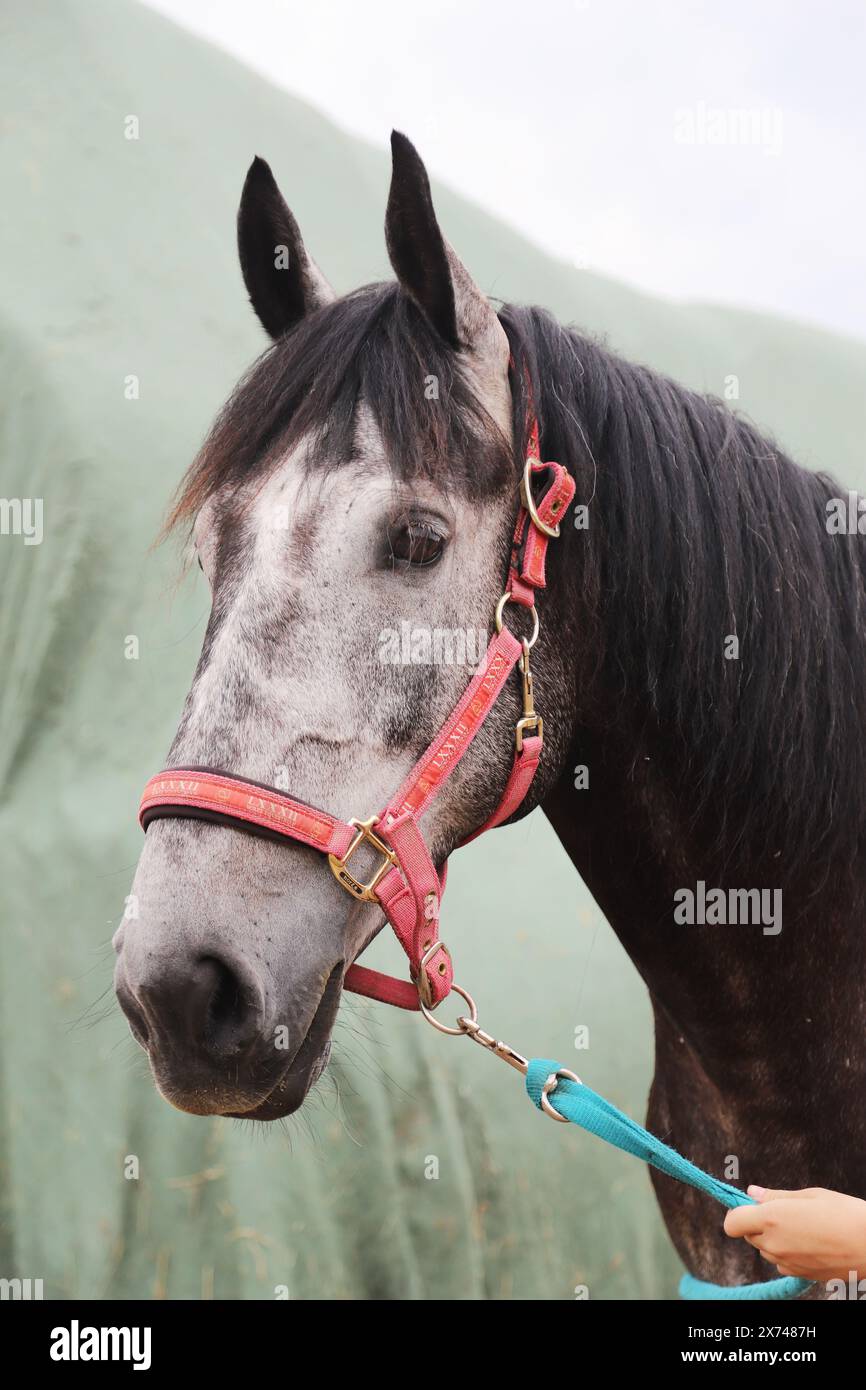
700	528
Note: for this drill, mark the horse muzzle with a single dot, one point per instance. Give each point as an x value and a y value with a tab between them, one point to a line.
214	1044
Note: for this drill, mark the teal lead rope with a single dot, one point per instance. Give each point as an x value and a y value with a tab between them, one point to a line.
576	1102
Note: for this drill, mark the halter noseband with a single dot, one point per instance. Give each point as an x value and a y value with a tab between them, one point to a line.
406	884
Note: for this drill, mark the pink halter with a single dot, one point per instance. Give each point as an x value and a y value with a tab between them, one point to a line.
406	884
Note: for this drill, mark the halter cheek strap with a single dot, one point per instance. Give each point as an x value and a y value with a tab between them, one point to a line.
406	883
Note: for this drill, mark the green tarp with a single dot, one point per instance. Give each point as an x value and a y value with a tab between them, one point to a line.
118	261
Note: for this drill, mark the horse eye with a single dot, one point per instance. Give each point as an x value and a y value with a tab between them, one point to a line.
415	543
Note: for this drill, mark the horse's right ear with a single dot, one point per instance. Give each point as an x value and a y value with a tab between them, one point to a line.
283	282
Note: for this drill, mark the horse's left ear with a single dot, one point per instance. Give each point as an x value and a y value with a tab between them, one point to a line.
431	272
283	281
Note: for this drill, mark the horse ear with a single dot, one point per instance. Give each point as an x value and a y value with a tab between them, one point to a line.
283	281
430	270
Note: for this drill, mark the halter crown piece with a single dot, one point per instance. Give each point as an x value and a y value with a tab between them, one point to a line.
406	884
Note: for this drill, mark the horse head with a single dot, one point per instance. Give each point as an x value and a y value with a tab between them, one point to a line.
352	510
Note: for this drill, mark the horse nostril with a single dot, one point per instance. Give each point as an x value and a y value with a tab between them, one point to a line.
203	1003
227	1012
134	1017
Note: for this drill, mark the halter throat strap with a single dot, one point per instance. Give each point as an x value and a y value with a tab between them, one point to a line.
406	884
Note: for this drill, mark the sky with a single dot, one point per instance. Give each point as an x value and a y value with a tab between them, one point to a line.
699	149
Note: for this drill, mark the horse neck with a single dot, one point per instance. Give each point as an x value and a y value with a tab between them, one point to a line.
741	768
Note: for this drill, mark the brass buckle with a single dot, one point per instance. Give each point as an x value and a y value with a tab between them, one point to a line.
529	503
422	983
364	892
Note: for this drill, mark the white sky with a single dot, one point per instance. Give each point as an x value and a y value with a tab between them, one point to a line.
610	131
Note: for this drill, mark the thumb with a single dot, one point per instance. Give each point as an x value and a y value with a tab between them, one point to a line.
768	1194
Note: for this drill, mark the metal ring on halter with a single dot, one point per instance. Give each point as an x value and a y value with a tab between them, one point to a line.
550	1085
529	502
443	1027
500	609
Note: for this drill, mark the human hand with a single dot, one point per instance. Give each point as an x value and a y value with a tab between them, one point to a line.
813	1234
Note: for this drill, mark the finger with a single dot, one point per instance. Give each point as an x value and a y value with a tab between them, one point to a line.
745	1221
768	1194
761	1243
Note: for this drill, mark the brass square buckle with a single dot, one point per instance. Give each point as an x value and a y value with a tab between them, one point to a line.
528	501
364	892
421	981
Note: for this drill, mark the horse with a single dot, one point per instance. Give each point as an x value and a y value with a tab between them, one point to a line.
701	663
